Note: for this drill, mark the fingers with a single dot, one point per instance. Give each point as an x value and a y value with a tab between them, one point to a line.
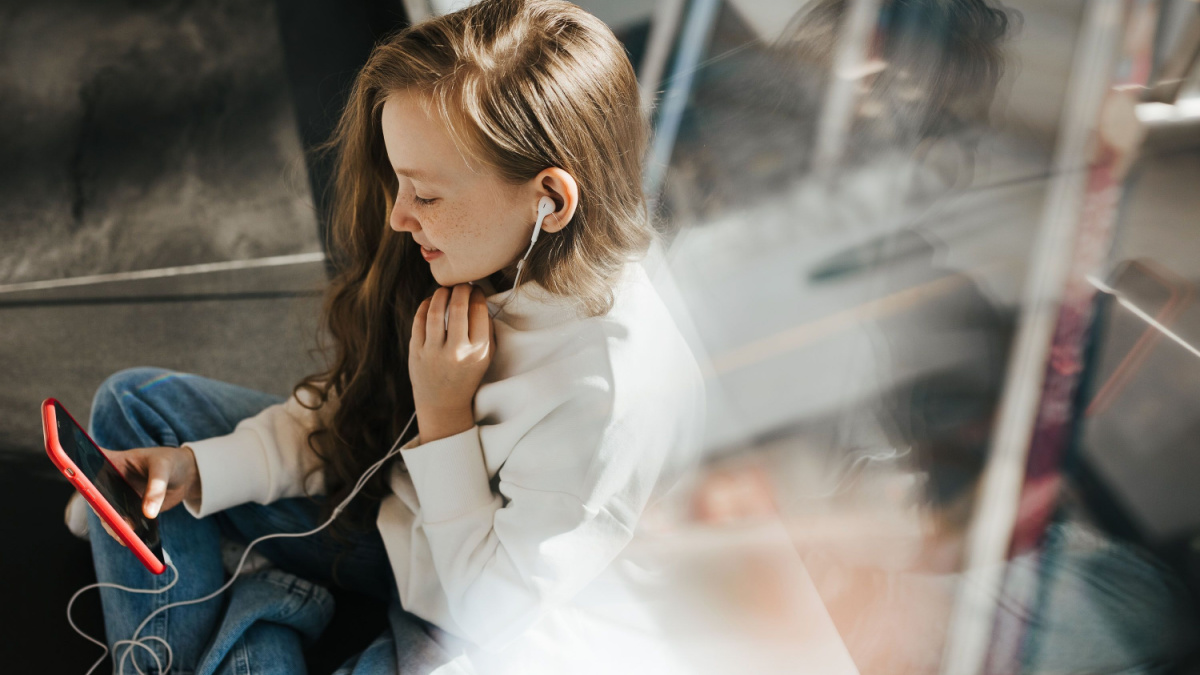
418	328
110	532
435	324
119	459
481	322
460	299
106	527
156	486
447	315
491	353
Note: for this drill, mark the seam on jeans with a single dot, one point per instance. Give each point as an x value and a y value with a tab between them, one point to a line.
242	655
300	592
293	600
292	583
159	624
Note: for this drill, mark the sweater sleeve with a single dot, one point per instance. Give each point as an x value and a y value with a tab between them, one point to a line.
570	494
266	457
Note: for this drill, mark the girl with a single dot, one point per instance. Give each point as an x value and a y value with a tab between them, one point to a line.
547	413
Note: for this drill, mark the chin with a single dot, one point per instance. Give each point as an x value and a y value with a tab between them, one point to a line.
448	280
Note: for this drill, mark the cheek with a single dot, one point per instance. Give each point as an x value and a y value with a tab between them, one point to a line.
461	224
442	223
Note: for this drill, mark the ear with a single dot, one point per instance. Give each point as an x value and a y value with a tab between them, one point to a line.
560	186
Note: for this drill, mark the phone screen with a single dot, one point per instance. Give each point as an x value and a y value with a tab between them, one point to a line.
107	481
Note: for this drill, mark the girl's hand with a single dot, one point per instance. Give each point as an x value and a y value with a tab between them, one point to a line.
164	476
446	363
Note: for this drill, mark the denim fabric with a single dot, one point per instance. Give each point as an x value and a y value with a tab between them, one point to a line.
262	623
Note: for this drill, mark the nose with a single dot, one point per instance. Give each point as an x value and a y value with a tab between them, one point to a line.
401	219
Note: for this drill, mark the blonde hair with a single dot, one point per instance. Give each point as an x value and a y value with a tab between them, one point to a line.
522	85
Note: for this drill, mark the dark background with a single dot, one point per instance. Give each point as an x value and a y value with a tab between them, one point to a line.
141	136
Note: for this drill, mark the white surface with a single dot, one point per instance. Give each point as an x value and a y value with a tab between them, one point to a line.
736	599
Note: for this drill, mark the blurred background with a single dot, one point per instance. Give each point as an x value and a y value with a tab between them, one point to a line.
937	258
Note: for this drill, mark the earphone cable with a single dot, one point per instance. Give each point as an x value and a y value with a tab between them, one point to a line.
134	640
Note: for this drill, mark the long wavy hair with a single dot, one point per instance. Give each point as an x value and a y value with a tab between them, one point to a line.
521	85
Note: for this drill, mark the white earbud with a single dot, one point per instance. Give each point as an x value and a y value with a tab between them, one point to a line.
545	208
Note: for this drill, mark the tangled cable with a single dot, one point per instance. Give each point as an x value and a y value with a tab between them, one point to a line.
143	643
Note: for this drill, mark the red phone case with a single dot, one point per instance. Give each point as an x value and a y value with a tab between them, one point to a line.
84	486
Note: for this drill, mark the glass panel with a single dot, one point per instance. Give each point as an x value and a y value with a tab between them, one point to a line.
881	220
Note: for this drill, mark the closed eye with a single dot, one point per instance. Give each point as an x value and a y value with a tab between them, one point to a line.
423	201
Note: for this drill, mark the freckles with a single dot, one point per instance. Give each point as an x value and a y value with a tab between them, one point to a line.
465	221
452	220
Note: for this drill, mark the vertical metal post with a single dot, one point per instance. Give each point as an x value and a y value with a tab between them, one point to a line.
1036	411
837	114
664	23
697	27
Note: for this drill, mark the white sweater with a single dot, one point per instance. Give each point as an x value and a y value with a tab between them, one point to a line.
493	532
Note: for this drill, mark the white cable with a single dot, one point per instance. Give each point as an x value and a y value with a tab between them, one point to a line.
122	588
521	262
134	640
546	206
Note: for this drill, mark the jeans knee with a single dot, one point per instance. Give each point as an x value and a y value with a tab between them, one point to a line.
106	401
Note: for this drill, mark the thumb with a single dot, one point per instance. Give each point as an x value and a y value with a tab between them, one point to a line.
156	488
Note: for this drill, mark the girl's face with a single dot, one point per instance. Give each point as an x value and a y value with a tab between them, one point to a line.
478	222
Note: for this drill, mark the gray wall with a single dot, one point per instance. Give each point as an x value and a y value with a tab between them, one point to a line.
143	135
137	136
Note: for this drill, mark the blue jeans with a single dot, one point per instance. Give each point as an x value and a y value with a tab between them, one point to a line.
262	623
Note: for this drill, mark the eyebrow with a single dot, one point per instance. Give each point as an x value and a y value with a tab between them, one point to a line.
414	173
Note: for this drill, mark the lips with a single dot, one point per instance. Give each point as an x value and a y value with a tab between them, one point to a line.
430	253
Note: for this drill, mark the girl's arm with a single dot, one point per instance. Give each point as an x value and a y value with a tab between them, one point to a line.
569	498
571	489
265	458
438	424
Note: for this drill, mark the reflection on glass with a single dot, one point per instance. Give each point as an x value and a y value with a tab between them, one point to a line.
852	199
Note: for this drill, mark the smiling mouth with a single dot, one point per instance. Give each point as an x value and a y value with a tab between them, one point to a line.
428	250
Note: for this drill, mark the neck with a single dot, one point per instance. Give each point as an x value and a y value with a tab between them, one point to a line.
500	281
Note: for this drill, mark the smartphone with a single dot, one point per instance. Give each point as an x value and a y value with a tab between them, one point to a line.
91	472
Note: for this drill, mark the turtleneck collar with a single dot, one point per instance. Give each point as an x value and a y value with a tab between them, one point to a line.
529	307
